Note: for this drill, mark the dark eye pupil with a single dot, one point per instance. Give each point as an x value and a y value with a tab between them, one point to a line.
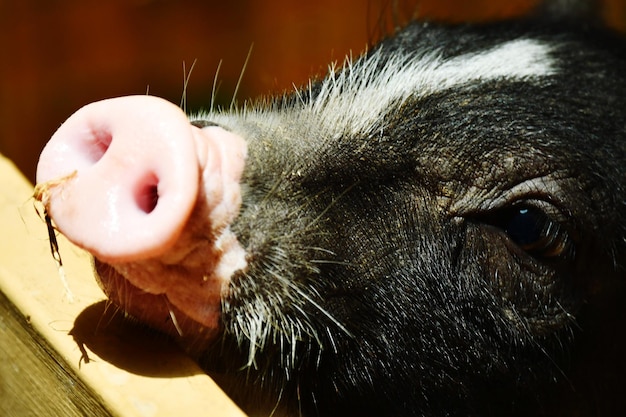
533	231
525	226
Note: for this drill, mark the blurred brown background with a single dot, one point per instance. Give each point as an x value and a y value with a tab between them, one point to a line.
58	55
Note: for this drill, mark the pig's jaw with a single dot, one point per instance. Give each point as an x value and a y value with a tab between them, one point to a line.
182	299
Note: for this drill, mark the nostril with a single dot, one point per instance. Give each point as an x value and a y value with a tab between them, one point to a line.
147	193
96	144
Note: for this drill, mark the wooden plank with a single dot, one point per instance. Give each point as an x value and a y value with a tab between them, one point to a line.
79	357
34	381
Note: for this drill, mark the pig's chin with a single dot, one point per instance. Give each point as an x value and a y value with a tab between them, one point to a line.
193	320
180	292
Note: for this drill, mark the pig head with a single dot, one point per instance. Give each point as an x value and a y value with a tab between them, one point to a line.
436	229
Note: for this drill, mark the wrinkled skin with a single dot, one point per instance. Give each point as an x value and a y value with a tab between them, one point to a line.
459	254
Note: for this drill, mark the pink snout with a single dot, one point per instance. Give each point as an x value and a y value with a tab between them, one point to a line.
137	175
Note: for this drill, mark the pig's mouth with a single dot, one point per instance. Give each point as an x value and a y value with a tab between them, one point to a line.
192	318
180	291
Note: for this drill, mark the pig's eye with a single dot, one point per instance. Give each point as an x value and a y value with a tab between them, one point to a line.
534	232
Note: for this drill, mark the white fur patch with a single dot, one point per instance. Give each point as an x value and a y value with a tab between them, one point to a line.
353	100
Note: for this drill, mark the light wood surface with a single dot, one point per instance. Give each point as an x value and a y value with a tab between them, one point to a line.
79	357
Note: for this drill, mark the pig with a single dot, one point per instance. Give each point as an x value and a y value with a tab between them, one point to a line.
435	229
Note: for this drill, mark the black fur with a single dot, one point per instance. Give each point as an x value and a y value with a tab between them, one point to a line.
396	276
